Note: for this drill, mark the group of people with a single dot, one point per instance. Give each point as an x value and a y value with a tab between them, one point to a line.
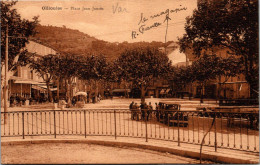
17	100
144	108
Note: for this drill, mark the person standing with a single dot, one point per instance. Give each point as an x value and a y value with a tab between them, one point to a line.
73	101
149	111
131	109
144	108
18	99
135	109
131	105
157	111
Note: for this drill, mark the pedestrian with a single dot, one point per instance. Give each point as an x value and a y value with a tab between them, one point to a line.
150	109
73	101
99	96
135	109
30	100
131	109
12	101
157	111
131	105
18	99
23	99
55	99
144	108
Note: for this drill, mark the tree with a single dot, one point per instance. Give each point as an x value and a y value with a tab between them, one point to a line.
182	76
46	67
210	67
141	66
226	24
206	68
94	69
69	68
18	31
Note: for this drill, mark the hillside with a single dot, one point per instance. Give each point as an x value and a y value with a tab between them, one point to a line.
75	42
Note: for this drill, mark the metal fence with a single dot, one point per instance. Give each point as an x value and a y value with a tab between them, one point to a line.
238	131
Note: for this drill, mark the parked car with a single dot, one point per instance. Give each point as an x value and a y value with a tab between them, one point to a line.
170	114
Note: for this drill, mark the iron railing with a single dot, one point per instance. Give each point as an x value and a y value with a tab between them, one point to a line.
238	131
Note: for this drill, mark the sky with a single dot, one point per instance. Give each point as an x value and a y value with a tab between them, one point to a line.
116	20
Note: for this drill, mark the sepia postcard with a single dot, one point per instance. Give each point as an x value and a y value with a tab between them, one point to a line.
129	82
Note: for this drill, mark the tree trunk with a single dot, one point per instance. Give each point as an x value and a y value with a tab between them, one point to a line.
125	85
142	94
253	85
58	89
201	93
190	91
94	90
252	80
69	92
66	87
49	91
71	88
97	90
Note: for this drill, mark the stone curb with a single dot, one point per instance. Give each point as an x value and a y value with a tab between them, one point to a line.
186	153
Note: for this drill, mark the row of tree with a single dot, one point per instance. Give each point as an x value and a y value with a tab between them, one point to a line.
208	68
138	66
66	67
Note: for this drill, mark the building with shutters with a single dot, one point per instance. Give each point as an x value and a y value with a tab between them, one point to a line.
24	81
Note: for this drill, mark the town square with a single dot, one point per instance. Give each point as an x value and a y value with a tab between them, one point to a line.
123	82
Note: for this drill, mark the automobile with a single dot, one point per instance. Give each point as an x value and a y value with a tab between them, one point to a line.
171	115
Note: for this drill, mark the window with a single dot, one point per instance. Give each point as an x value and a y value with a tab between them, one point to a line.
31	74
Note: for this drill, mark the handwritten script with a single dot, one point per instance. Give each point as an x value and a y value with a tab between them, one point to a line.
143	25
118	9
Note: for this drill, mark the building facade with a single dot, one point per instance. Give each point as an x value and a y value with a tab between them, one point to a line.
221	88
24	81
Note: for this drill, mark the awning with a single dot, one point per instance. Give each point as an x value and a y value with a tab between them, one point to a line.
43	87
28	82
121	90
81	93
53	89
22	82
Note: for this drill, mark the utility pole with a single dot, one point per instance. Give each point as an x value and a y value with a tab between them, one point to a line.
190	85
6	71
58	80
